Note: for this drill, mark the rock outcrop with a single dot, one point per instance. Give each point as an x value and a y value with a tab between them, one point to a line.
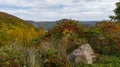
83	54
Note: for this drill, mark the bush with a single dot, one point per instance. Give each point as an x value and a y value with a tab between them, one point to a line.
106	41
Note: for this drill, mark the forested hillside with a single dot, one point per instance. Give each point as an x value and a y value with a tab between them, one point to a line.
13	29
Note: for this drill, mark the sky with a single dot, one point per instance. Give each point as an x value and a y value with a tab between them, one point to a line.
51	10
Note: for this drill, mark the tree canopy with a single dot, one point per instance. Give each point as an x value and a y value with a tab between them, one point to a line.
116	17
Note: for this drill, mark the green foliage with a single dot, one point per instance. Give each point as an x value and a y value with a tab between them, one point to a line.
53	58
117	13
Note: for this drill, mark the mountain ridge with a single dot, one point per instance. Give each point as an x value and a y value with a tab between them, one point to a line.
51	24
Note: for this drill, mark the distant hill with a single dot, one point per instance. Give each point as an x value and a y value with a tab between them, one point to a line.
89	23
43	24
51	24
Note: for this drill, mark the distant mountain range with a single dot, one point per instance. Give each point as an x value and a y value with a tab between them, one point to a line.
89	23
10	19
43	24
51	24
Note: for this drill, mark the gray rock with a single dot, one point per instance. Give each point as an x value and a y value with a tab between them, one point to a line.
84	54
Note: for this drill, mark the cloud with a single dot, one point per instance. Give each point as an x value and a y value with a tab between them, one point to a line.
41	10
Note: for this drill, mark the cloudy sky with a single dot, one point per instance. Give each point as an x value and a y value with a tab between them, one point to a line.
49	10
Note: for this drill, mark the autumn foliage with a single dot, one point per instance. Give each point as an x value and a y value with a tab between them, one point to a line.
24	45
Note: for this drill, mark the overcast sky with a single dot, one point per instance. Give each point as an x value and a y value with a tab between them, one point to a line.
50	10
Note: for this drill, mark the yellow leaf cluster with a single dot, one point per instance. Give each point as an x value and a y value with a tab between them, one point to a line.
41	32
66	32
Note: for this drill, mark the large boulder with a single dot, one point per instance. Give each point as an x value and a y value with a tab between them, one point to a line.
83	54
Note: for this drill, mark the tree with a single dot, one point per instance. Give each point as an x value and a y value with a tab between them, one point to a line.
117	13
113	18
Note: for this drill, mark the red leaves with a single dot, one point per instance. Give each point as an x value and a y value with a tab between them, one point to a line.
110	28
15	65
70	25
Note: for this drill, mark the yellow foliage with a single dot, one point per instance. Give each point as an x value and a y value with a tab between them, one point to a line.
41	32
66	32
20	34
31	34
